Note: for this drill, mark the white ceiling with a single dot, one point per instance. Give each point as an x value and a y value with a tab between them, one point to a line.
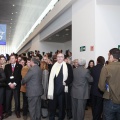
20	15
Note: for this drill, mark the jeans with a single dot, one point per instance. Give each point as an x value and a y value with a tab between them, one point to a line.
111	111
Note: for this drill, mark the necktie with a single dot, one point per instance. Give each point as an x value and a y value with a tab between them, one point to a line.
13	68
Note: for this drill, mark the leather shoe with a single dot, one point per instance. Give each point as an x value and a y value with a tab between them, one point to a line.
18	115
24	117
7	115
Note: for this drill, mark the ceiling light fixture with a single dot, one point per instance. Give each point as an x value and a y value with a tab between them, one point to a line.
57	35
11	19
66	34
67	29
10	23
12	13
16	12
13	5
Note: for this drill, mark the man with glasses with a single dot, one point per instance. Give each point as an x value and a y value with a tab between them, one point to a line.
60	77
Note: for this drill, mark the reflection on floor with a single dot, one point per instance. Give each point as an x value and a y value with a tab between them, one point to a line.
88	116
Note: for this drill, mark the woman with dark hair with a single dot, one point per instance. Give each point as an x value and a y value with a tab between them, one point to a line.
91	64
2	85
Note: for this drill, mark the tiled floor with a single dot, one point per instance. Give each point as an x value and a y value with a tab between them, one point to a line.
88	116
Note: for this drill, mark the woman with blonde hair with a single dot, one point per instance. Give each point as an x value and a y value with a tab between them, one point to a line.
45	76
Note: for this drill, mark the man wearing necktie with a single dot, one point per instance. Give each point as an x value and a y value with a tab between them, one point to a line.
13	78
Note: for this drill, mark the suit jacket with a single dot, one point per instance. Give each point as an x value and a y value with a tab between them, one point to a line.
95	72
70	75
17	75
2	78
33	81
80	85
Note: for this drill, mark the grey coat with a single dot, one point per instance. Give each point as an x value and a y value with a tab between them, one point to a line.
45	77
33	81
80	85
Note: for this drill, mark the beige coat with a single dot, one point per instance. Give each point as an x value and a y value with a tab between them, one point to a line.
23	73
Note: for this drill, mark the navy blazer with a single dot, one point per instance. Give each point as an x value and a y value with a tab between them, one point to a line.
95	72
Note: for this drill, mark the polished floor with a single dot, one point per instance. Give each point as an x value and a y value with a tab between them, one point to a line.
88	116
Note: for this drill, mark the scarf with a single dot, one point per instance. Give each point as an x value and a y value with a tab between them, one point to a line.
52	76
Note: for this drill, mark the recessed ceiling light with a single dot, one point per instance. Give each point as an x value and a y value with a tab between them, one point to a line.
13	5
16	12
57	34
67	29
11	19
10	23
10	27
66	34
12	13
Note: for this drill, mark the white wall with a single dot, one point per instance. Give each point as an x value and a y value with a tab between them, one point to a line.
83	28
67	46
107	26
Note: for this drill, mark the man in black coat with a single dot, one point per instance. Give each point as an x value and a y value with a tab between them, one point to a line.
97	95
13	81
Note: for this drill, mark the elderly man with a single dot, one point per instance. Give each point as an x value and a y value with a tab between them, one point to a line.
34	89
80	90
60	77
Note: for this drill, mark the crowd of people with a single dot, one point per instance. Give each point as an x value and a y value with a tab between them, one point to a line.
55	86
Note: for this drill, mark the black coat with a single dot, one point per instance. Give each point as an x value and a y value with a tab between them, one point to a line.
2	84
95	72
70	75
17	75
2	78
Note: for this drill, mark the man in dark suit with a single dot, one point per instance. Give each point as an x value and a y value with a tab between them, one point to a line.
13	79
97	100
34	89
60	77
